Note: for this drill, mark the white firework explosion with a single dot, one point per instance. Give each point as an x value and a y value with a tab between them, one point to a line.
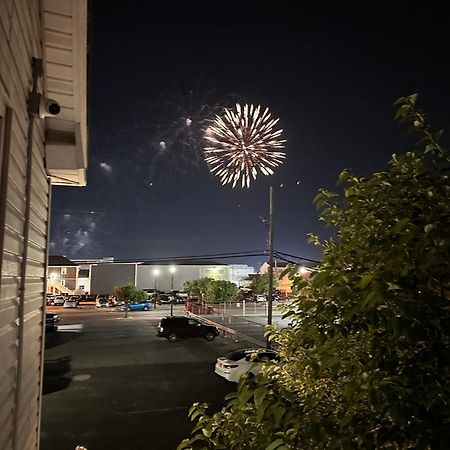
242	142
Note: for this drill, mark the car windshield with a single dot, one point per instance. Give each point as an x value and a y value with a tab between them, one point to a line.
253	355
236	356
264	356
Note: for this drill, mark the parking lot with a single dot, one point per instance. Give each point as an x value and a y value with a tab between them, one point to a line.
110	383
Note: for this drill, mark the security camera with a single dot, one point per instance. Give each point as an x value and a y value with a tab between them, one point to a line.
48	107
39	105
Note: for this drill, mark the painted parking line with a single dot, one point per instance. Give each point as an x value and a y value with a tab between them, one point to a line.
73	328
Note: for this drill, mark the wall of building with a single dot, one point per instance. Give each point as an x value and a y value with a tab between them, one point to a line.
22	287
105	277
83	286
238	274
214	272
146	277
66	276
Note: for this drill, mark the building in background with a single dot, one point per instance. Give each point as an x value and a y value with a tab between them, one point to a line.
83	285
101	276
284	282
62	275
43	54
240	274
163	275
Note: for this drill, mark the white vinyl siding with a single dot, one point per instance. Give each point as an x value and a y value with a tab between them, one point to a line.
21	343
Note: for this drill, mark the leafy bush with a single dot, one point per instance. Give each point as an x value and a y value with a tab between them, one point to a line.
366	358
130	293
212	290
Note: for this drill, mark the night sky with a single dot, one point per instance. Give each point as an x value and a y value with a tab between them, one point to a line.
330	71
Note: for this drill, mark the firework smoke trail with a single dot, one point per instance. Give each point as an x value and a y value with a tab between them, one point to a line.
184	114
241	143
74	233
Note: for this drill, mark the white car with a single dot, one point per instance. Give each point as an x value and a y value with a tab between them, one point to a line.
261	298
58	300
70	303
234	365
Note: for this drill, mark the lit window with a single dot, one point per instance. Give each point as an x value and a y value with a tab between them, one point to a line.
63	270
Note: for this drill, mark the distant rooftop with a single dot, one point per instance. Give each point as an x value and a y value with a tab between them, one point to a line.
183	262
155	262
59	260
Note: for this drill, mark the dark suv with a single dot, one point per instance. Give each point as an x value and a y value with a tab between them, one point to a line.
174	328
51	322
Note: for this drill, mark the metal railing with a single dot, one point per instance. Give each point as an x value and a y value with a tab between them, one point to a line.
226	331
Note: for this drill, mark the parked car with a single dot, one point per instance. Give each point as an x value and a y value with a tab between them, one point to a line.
180	296
176	327
58	301
51	322
142	306
246	295
280	296
260	298
49	299
70	303
235	364
87	298
102	302
164	299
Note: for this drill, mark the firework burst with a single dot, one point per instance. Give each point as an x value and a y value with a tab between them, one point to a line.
242	142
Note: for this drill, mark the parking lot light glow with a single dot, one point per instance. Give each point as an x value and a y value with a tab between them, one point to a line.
303	270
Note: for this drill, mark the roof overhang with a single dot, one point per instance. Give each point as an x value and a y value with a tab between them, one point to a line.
65	78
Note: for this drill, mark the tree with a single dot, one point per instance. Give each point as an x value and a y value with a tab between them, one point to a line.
211	290
260	283
221	291
197	288
130	294
366	360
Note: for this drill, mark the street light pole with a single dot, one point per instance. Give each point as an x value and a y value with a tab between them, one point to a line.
155	273
172	271
270	272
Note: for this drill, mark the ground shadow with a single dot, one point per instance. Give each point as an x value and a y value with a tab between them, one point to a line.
54	338
54	374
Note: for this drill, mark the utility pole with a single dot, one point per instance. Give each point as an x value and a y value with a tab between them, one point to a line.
270	272
172	271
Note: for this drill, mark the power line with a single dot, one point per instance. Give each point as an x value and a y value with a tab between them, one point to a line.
202	257
298	257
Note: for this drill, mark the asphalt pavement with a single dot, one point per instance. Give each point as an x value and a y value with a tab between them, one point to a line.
111	384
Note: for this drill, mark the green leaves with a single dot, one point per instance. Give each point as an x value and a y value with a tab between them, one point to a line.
212	290
130	293
277	444
260	283
400	225
366	280
365	360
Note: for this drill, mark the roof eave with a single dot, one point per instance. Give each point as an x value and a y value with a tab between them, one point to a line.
65	80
